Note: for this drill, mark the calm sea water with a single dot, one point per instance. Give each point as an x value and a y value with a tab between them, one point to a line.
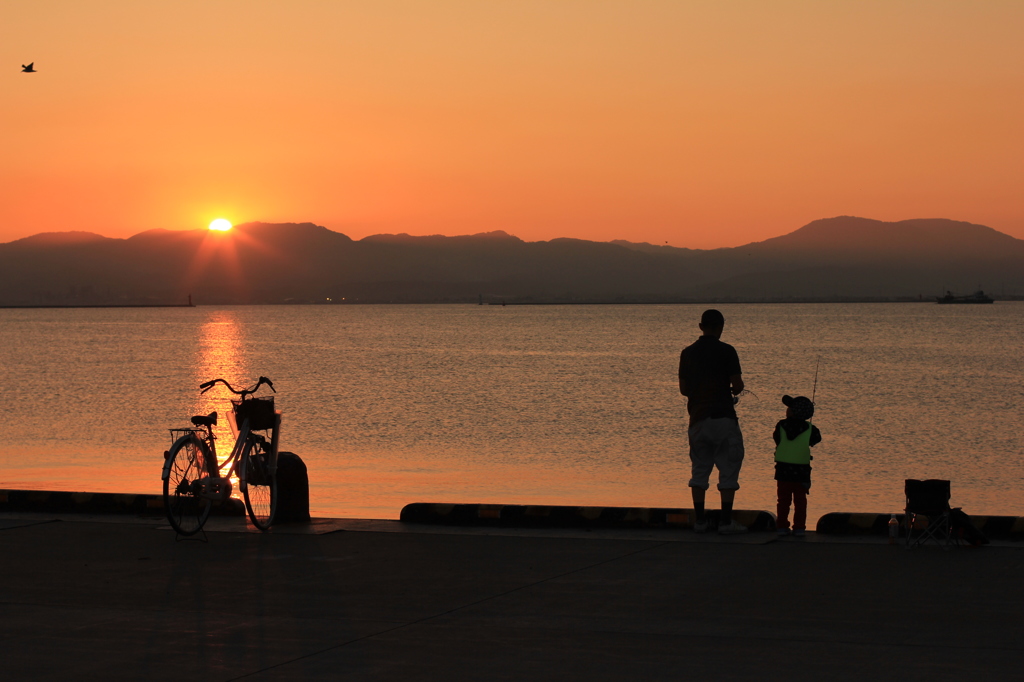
522	404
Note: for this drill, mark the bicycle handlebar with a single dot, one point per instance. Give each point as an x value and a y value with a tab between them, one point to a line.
207	385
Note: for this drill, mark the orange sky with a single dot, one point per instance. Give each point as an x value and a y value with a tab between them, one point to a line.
702	124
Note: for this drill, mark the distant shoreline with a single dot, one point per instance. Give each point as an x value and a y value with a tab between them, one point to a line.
111	305
499	303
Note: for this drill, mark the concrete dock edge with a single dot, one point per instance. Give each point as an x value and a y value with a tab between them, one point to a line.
557	516
850	523
63	502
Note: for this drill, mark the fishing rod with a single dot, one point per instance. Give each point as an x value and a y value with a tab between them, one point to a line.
814	390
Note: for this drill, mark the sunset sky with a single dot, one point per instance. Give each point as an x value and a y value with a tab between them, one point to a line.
701	124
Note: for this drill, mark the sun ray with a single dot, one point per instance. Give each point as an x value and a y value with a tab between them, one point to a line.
218	261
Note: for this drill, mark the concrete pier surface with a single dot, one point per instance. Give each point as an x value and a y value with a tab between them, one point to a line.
117	597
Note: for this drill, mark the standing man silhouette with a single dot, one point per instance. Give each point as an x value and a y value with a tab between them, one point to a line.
710	377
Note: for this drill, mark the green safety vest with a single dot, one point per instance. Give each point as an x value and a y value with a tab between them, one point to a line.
796	451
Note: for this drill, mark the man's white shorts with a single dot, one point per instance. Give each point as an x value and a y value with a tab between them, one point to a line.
716	443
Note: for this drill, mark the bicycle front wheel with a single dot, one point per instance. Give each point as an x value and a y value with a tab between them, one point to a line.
260	490
188	462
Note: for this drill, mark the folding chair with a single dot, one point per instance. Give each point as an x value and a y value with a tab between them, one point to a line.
928	498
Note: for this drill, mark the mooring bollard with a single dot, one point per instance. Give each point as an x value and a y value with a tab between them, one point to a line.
292	489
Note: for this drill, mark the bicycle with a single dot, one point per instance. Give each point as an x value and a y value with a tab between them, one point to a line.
192	477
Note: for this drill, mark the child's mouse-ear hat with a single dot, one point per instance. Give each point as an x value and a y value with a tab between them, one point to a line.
801	406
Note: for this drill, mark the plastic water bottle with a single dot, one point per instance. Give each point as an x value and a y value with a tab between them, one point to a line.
894	529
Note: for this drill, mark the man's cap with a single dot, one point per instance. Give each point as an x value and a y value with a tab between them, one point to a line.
802	406
712	318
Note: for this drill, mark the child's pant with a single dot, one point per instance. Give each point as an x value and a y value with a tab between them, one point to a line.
798	493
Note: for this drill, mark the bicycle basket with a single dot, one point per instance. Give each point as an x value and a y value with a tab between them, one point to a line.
259	412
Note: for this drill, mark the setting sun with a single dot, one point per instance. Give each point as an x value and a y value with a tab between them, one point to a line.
220	225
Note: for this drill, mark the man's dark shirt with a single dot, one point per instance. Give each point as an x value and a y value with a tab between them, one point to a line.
705	368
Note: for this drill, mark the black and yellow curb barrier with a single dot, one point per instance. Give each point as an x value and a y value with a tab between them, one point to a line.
539	516
845	523
59	502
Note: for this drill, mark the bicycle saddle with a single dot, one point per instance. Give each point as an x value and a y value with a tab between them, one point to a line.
208	420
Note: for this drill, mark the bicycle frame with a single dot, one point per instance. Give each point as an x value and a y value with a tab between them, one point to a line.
243	444
245	436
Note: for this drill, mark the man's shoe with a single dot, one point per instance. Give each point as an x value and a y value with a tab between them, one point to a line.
700	526
799	533
734	528
782	532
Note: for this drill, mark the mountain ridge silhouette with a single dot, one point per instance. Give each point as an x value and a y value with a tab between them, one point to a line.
830	259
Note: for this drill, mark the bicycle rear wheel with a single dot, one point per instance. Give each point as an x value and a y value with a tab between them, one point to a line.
260	490
188	461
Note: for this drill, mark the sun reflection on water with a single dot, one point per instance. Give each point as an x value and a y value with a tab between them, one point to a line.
221	355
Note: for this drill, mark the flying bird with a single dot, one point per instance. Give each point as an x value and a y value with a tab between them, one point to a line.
28	69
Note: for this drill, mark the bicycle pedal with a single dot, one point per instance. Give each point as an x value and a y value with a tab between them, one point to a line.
215	488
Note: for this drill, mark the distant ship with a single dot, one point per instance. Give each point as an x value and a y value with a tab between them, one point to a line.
977	297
